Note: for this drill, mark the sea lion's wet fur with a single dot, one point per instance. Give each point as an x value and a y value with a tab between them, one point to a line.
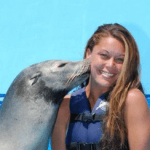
30	107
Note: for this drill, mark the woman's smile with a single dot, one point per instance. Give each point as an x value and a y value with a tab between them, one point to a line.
106	74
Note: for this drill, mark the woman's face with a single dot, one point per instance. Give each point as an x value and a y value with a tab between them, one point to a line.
106	61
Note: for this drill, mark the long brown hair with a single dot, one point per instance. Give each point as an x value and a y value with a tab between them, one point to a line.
114	129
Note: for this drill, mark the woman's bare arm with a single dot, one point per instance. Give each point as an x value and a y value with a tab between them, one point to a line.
137	119
59	131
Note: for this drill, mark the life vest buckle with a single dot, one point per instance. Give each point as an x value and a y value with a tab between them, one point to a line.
88	117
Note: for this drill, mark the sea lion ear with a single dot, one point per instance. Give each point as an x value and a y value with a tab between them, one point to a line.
35	77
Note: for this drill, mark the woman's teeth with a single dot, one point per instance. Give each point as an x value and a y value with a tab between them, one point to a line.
107	74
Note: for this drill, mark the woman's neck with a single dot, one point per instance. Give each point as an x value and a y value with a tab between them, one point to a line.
94	92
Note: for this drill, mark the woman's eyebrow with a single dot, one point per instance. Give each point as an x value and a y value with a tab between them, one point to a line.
121	54
105	50
118	54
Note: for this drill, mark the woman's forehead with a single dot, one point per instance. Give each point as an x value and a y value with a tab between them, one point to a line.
110	45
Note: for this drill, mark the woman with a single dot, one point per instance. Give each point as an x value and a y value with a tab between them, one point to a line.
118	114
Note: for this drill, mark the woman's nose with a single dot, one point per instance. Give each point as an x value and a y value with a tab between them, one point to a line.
111	62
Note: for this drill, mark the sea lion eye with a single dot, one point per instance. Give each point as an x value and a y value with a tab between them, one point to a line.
62	65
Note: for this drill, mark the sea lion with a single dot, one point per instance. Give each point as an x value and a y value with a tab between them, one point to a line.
30	107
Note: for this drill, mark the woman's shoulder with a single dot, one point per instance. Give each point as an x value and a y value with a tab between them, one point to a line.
136	100
67	97
66	101
64	111
135	96
136	106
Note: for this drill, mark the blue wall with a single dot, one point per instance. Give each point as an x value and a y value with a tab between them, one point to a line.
36	30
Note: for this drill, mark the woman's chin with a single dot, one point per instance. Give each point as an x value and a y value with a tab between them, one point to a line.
105	84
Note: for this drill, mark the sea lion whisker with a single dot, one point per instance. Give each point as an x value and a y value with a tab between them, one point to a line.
69	80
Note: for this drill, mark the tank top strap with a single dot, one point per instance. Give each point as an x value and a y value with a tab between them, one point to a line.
79	102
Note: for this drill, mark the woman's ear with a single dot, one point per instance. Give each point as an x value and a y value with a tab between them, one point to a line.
88	53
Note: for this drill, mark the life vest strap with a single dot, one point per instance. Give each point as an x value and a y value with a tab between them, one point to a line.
85	117
83	146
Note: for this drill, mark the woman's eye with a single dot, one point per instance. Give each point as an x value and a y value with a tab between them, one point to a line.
120	60
104	56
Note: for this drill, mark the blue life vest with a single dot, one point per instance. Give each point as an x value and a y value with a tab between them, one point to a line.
80	131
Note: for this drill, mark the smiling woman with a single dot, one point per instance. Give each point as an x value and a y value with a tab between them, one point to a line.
107	113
